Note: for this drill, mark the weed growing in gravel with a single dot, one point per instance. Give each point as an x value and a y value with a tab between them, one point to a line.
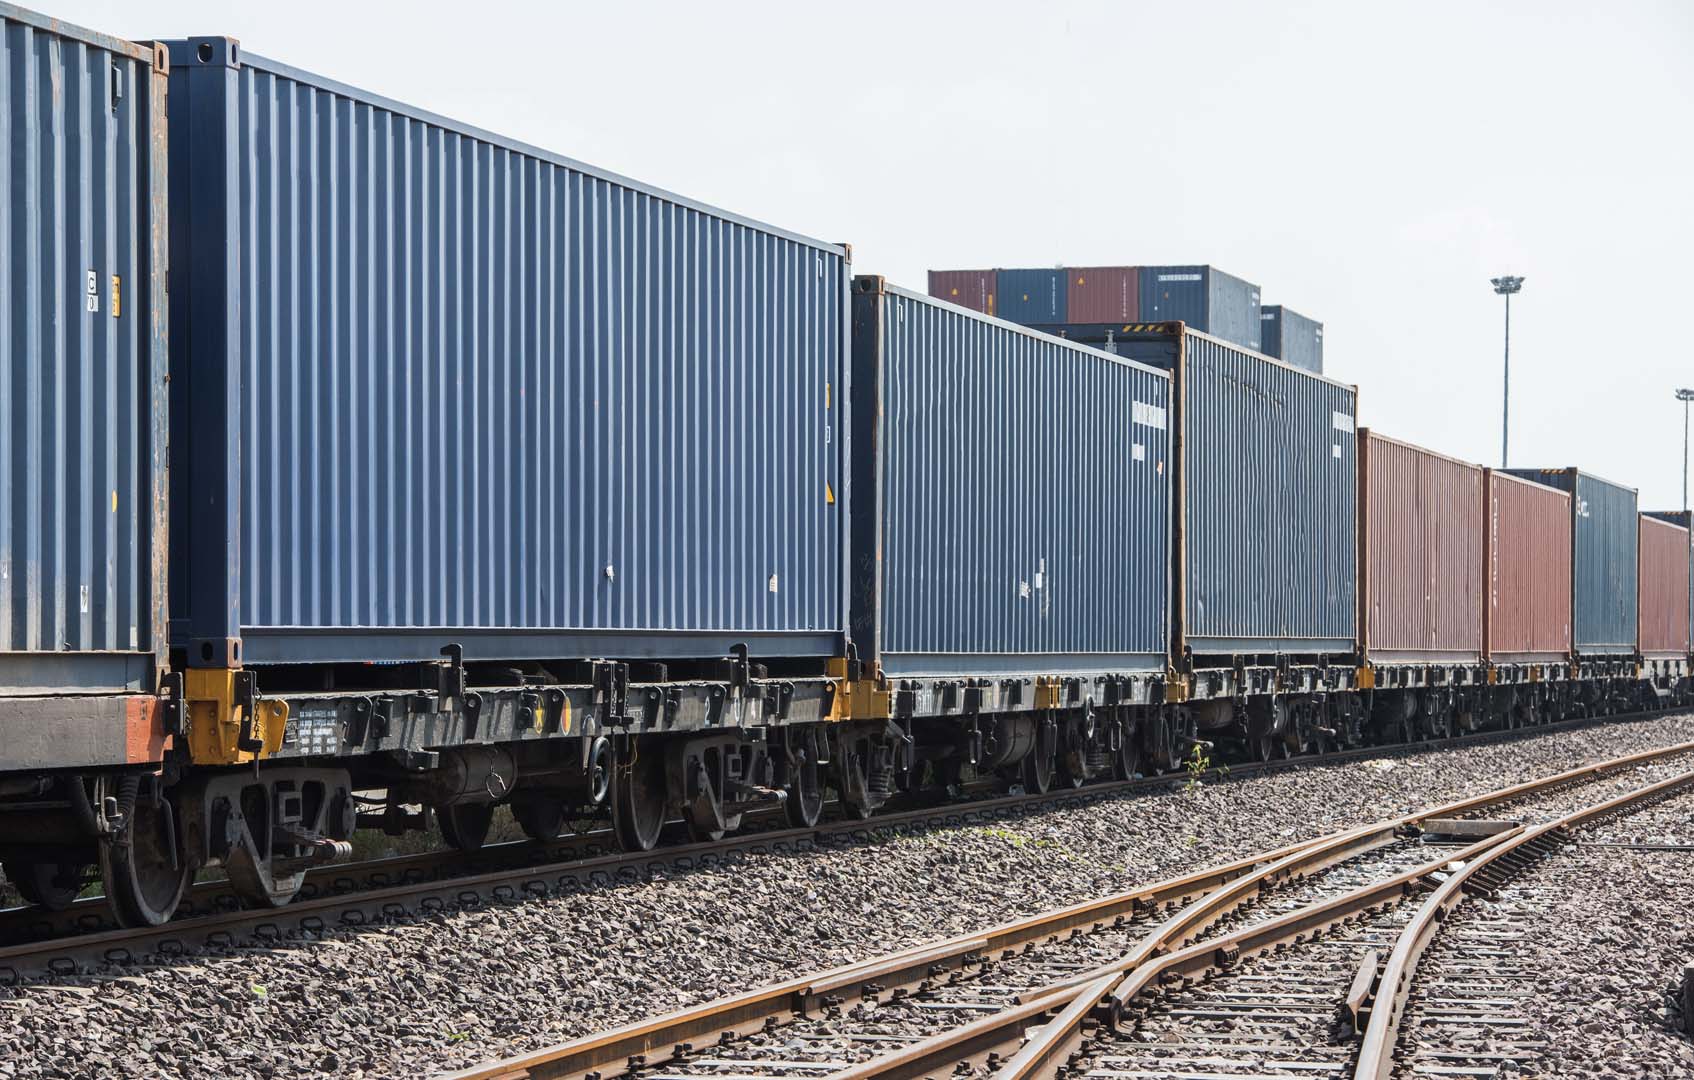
1198	762
1020	840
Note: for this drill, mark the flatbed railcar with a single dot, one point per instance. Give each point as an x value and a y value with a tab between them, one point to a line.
489	478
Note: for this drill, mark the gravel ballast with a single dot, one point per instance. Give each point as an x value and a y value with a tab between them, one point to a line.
445	991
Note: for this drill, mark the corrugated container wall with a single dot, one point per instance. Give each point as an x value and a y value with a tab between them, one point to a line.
1102	294
1686	520
446	388
1605	553
1032	297
1663	601
1269	487
82	360
1527	567
1205	298
972	289
1420	554
1011	496
1291	337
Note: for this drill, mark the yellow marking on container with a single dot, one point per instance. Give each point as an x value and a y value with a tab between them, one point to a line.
828	493
114	500
826	395
1081	281
565	717
117	294
955	292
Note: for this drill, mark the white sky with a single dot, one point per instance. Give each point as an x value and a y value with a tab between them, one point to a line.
1371	166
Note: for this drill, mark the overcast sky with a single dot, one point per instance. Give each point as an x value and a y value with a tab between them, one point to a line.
1370	166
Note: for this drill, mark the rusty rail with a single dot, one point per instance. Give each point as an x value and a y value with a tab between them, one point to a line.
1215	891
1376	1051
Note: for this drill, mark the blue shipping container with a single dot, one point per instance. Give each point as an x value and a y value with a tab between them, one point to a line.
1291	337
440	387
1032	297
1268	485
1012	496
1605	559
82	360
1205	298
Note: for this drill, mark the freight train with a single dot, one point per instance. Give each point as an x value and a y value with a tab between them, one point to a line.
364	469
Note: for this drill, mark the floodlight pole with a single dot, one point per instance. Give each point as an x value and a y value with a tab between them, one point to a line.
1685	396
1505	286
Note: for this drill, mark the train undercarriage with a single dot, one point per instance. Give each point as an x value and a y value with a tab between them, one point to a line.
693	756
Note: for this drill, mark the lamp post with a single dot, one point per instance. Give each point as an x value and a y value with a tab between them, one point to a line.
1506	285
1685	396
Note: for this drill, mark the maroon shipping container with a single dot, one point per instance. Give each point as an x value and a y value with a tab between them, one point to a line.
972	289
1420	554
1662	589
1528	550
1103	294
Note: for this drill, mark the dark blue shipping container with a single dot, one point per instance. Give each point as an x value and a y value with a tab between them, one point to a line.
82	362
1291	337
437	387
1012	496
1605	556
1033	296
1267	474
1205	298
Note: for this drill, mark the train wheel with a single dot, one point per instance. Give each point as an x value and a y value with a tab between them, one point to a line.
465	825
639	797
1038	766
1127	761
50	885
804	805
145	874
1262	747
540	818
256	880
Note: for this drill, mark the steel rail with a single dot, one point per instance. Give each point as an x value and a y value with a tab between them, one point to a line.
1214	891
1376	1049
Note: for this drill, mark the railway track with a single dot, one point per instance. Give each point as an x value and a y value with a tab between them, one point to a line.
1461	1004
34	941
1074	986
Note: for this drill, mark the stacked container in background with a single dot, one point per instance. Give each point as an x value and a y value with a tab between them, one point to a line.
1605	554
1033	297
1205	298
974	289
1527	571
1092	303
1291	337
1663	602
1421	562
1103	294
